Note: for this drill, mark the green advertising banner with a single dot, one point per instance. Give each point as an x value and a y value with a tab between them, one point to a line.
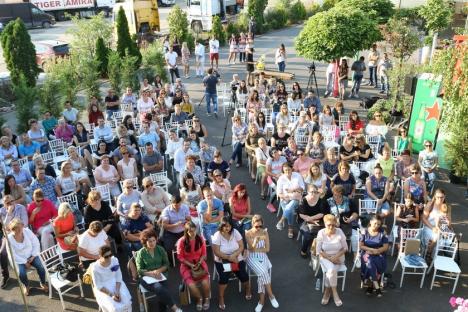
425	112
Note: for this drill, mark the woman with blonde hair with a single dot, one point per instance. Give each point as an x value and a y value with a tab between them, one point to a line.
127	167
185	59
65	229
66	183
258	244
80	169
331	247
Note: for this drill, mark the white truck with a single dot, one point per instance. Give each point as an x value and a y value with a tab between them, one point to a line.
201	12
84	8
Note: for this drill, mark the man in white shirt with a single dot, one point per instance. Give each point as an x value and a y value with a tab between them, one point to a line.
104	132
373	58
200	59
171	61
330	75
70	113
179	157
214	51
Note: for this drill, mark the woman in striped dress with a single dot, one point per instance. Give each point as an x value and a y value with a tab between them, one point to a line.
258	244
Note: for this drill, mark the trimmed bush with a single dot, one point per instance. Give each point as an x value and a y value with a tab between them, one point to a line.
231	29
312	9
218	31
242	22
277	17
297	13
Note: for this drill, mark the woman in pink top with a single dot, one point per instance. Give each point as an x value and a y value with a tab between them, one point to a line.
64	131
191	252
40	212
302	163
331	247
107	174
239	204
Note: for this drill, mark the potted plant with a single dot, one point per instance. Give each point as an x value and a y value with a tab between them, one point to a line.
456	154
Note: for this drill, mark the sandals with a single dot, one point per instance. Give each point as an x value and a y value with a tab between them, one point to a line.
326	300
338	303
290	234
199	305
206	305
222	307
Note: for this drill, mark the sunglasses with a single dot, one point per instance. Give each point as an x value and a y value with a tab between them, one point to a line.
258	226
38	200
196	120
149	185
300	154
414	172
125	153
129	187
377	115
218	175
426	145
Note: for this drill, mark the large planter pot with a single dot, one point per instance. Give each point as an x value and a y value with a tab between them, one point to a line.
454	179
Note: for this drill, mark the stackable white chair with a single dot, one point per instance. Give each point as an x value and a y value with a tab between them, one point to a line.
135	184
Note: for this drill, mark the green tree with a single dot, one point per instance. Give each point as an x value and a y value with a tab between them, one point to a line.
19	53
113	70
178	24
329	4
26	97
65	70
85	32
89	77
153	61
102	54
129	74
256	8
381	10
336	33
218	31
437	15
49	97
297	12
404	40
125	43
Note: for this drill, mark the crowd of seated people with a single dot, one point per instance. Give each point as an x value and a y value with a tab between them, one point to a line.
314	164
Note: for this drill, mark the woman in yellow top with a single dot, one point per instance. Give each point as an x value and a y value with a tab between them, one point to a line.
186	105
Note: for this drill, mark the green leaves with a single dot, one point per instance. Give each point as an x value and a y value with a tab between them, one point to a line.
218	31
437	15
125	44
19	53
178	24
379	10
336	33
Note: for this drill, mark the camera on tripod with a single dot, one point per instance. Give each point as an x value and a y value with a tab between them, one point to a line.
312	67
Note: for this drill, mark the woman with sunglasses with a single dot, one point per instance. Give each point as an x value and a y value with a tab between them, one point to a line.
430	216
191	252
362	150
239	133
311	211
228	249
378	188
111	293
316	149
377	127
199	128
355	125
332	247
221	187
127	167
258	244
416	186
428	161
127	198
302	163
154	199
260	120
316	177
403	141
107	174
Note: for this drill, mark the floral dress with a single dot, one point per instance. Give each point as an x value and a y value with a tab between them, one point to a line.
373	266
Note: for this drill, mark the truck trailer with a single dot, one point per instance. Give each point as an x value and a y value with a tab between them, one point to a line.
84	8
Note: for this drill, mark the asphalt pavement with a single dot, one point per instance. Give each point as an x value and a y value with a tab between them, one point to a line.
292	279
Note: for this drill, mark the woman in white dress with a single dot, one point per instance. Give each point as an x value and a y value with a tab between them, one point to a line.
109	289
127	167
80	171
258	245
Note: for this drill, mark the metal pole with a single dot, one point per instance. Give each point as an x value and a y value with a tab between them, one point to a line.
5	237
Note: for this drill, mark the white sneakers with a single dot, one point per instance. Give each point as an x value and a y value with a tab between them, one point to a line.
280	225
274	304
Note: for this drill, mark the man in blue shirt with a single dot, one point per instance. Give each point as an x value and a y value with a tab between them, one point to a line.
132	226
210	82
173	219
45	183
147	136
22	176
211	211
312	100
28	148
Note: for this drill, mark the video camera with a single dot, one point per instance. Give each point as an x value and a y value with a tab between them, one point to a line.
312	67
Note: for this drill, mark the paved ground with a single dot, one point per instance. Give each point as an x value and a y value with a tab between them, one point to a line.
293	281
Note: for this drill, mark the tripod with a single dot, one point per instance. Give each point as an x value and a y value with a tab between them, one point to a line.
232	102
312	79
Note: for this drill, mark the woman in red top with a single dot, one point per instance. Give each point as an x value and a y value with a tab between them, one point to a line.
40	212
355	125
240	208
191	252
66	231
94	114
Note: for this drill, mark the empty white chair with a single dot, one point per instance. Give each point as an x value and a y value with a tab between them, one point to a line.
444	260
367	206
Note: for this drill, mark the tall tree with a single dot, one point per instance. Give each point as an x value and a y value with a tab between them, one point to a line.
256	8
380	10
102	56
26	97
218	31
125	43
19	53
178	24
336	33
437	15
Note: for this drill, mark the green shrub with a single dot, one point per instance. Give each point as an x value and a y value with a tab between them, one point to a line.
312	9
49	97
297	13
190	39
276	17
218	31
231	29
113	69
25	99
242	22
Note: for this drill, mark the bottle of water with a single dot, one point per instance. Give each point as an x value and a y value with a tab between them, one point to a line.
317	284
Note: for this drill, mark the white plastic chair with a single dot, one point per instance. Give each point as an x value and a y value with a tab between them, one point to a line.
343	121
135	184
409	234
49	259
104	190
57	146
161	179
342	269
446	244
367	206
71	199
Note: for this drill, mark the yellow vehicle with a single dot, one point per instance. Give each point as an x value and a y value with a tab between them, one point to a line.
142	15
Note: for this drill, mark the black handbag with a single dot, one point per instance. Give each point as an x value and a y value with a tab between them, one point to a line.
67	272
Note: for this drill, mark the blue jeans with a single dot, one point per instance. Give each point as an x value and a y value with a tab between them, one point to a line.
281	66
23	274
385	85
356	84
237	152
132	246
211	97
289	207
109	114
209	229
373	75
